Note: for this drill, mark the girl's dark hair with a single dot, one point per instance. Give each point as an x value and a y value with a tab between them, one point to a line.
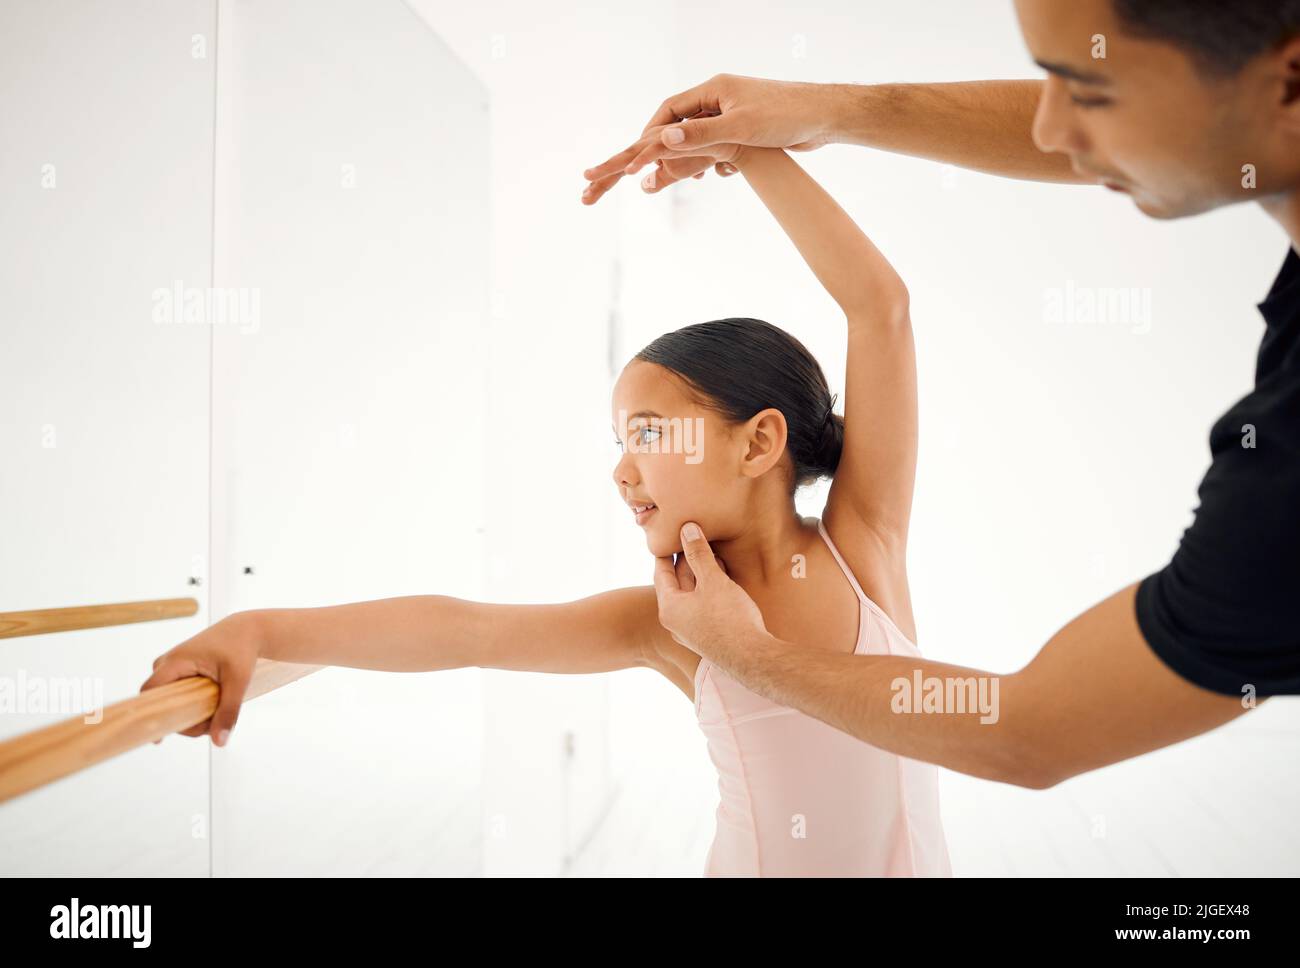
739	366
1223	36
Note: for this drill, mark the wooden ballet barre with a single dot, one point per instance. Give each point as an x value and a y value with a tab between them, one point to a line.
43	620
44	755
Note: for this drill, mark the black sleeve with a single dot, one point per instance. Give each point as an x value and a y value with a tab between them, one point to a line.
1225	612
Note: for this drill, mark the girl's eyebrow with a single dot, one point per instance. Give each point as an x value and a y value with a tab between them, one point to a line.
639	413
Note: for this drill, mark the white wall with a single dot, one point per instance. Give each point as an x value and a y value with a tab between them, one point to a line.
546	475
349	430
342	420
103	411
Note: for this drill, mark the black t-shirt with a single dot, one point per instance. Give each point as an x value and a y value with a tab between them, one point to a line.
1225	612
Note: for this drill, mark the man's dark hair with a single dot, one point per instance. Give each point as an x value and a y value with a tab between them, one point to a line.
1222	36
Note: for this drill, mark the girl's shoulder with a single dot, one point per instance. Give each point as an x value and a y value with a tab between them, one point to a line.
877	564
661	652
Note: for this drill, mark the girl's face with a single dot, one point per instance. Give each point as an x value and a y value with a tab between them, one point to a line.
681	461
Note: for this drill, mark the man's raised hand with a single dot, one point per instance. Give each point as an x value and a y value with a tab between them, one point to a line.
682	136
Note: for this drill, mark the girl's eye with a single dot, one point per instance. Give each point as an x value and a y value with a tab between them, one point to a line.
1089	102
638	437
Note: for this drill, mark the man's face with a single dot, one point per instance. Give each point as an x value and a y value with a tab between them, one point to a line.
1144	118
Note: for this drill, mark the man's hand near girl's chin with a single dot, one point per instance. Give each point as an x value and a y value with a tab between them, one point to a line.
700	605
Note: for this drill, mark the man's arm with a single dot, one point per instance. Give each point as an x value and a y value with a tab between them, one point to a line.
1094	695
982	125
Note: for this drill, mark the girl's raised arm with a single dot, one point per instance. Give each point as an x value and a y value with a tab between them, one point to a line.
872	489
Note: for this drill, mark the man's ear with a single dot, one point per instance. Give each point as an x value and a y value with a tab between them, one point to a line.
765	436
1289	59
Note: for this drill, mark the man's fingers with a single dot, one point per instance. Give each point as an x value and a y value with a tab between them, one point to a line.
701	97
685	577
597	189
665	577
713	130
698	554
650	150
616	163
631	159
668	171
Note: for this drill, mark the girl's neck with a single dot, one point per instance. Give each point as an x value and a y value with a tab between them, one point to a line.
763	555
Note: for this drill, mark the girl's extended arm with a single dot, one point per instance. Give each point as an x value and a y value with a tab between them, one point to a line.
417	633
877	469
426	633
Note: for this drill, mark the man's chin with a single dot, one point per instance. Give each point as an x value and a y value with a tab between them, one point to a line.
1154	209
1167	211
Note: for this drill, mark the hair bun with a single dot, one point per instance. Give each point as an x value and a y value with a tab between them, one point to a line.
830	443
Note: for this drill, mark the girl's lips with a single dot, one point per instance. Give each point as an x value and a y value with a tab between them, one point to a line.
643	516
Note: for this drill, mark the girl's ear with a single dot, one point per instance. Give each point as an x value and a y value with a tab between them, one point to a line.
764	436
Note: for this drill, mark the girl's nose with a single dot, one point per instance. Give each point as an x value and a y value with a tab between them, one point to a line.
624	473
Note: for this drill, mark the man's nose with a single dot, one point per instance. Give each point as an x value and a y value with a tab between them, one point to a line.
1054	128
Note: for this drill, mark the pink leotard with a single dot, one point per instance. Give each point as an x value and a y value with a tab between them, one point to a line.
801	798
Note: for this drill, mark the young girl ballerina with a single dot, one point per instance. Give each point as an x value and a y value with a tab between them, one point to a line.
719	423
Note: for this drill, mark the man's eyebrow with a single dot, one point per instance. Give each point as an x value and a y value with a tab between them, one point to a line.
1073	73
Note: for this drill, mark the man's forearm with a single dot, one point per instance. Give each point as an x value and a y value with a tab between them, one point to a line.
1095	694
983	125
931	711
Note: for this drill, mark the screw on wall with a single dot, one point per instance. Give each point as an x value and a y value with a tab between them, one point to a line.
248	569
195	581
569	745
